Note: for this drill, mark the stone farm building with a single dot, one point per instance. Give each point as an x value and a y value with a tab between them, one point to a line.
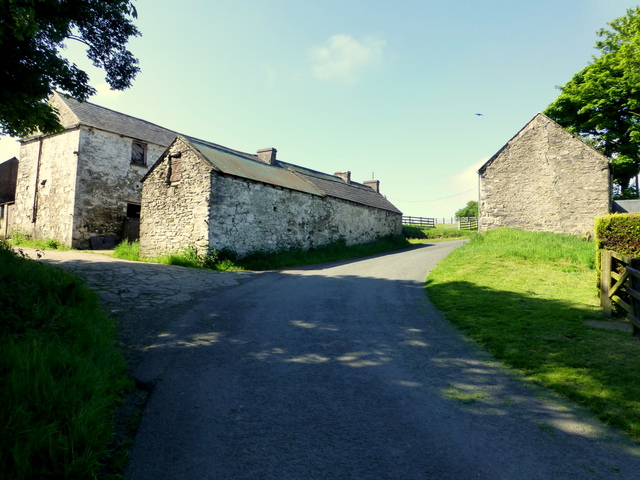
83	186
84	182
204	195
544	179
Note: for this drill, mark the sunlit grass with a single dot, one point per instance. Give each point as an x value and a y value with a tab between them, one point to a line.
420	235
298	257
20	239
525	297
226	260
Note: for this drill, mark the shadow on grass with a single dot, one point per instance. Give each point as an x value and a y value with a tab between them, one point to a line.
551	343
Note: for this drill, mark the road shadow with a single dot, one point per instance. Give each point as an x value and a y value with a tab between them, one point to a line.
340	362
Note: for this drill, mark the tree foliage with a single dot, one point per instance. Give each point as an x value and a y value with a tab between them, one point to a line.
471	210
32	35
601	103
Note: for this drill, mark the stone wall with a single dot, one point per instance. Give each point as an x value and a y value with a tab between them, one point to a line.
80	188
544	179
174	214
46	186
106	182
207	209
248	216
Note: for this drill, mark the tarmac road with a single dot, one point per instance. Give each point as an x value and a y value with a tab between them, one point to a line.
345	371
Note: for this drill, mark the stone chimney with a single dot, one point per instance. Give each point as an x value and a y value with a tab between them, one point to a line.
267	155
346	176
375	184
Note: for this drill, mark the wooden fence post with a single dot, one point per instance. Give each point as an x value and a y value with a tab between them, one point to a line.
605	281
634	282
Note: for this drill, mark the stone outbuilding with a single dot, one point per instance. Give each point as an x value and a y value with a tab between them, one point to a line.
544	179
83	184
199	194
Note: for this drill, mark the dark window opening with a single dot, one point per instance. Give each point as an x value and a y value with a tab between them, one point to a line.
139	154
133	210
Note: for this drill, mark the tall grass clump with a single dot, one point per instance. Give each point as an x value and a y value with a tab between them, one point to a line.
61	375
127	250
529	299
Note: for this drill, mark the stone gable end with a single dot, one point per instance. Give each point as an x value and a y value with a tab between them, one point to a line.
175	208
544	179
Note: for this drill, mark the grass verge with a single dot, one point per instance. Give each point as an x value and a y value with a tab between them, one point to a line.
189	257
525	297
61	376
20	239
296	257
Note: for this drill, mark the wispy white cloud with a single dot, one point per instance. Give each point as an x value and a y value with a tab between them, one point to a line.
344	59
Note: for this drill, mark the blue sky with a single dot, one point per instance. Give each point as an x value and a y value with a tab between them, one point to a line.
384	89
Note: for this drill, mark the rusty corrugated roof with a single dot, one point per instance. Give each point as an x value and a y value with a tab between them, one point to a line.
288	175
247	166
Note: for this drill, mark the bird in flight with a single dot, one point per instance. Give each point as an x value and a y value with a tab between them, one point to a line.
478	114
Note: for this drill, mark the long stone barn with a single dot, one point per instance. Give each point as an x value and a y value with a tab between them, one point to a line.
199	194
544	179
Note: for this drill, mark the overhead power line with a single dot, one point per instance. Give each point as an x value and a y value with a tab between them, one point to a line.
433	200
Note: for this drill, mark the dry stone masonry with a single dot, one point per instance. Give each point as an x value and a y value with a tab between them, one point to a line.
208	206
544	179
79	183
84	187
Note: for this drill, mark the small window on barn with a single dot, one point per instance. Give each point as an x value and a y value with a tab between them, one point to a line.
138	154
175	168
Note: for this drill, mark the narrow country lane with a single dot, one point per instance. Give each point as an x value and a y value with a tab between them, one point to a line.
346	372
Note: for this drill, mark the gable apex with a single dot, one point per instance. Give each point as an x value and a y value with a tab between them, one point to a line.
539	120
73	113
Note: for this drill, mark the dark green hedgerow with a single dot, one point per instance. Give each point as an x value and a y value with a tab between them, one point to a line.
620	233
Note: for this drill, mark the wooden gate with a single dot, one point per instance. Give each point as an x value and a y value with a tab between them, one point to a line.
6	220
620	284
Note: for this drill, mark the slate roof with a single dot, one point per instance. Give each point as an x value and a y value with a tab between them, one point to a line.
287	175
229	161
336	187
102	118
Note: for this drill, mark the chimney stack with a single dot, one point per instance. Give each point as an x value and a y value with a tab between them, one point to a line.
346	176
375	184
267	155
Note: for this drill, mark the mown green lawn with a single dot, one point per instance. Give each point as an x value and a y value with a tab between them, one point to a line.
525	297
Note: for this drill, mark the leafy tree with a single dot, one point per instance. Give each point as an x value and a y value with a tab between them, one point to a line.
32	35
471	210
601	103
